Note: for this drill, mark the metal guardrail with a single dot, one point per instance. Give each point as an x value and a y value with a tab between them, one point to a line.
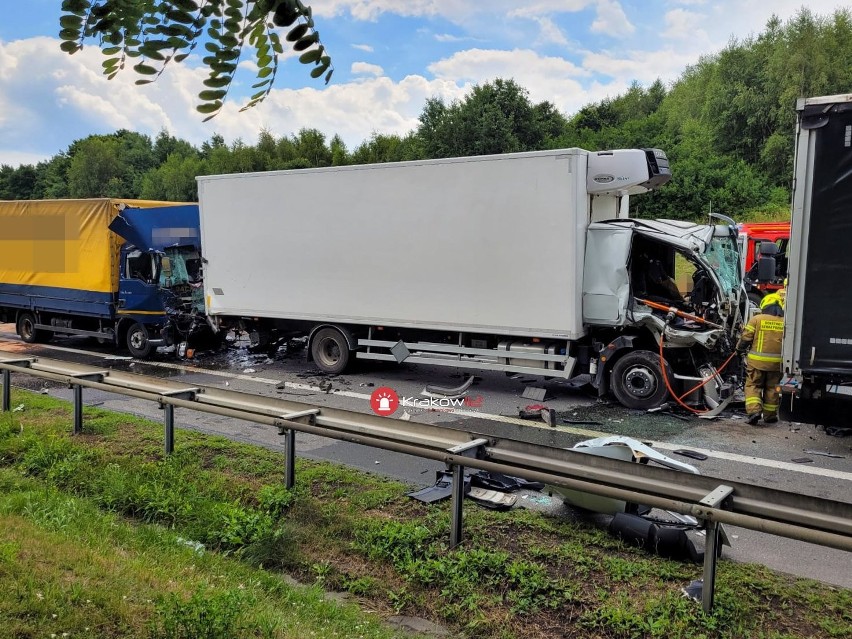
712	500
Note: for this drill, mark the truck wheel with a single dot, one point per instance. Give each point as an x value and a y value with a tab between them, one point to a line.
330	350
637	380
137	341
27	330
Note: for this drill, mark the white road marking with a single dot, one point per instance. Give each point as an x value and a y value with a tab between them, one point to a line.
734	457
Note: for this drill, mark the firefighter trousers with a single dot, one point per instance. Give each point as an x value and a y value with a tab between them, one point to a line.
761	394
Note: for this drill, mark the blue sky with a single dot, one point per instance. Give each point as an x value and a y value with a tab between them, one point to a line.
390	57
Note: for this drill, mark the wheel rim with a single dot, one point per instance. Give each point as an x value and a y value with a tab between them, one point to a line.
329	351
138	339
640	381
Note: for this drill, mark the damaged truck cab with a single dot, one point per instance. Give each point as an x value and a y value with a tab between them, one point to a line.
160	291
664	338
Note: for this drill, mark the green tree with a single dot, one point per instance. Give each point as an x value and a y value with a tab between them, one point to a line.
495	117
174	180
95	169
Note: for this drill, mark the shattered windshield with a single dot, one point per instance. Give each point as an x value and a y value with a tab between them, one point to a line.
723	257
180	272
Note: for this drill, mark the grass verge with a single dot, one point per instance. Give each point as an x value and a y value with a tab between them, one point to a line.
101	537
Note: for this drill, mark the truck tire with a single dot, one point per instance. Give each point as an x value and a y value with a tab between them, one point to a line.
137	341
26	329
637	380
330	351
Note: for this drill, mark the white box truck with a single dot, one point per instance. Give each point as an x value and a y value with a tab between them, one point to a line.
817	348
523	263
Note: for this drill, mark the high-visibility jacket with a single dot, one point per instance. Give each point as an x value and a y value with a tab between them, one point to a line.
763	334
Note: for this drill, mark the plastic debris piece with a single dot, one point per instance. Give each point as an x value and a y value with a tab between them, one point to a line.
692	454
18	408
492	499
587	422
823	453
802	460
249	370
694	590
442	390
535	393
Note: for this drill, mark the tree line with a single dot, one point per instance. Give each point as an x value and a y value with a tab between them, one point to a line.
726	124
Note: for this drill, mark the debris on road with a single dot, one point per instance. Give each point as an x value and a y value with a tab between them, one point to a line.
458	391
580	422
538	411
802	460
838	431
692	454
535	393
823	453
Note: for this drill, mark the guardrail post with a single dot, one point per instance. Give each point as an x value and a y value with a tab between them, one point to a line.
468	449
169	419
711	546
289	458
169	415
78	409
7	390
290	442
7	381
458	500
97	376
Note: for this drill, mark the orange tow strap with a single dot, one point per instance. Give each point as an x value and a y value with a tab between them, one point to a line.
678	312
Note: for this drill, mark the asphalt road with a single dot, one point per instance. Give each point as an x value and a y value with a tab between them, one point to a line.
735	451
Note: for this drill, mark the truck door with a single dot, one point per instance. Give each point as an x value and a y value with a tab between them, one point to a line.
138	290
606	281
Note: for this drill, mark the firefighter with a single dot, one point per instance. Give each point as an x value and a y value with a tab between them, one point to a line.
761	339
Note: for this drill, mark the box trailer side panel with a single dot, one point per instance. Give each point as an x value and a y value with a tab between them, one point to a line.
485	244
819	325
58	254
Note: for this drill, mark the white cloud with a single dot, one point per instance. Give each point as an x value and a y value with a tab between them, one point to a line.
16	158
683	25
611	19
642	66
364	68
457	11
550	32
447	37
363	47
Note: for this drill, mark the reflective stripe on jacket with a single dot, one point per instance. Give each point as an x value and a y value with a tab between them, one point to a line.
764	334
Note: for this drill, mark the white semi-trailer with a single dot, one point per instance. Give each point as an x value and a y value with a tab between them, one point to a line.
524	263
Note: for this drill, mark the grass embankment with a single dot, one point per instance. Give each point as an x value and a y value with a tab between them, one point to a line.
99	537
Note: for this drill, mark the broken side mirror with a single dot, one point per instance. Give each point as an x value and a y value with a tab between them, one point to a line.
766	263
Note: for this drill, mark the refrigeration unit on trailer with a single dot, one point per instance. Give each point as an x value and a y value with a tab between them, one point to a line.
524	263
817	348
